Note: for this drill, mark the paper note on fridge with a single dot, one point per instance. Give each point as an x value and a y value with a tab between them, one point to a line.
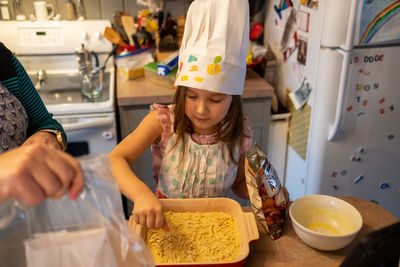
300	96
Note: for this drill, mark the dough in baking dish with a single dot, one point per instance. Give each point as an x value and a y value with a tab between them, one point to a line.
195	237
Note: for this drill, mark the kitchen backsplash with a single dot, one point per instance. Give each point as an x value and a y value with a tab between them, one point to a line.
104	9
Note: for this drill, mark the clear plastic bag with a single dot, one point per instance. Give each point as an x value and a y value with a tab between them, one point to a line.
90	231
130	65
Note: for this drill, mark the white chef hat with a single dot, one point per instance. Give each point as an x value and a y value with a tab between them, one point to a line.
214	46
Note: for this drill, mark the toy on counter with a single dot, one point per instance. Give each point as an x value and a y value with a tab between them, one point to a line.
168	64
150	73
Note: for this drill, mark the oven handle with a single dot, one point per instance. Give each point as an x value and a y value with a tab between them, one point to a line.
84	125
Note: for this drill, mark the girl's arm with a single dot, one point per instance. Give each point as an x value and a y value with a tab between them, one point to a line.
239	186
147	209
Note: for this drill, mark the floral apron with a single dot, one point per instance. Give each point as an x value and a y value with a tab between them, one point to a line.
205	171
13	121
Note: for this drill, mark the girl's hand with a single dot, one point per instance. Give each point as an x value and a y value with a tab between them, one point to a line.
148	211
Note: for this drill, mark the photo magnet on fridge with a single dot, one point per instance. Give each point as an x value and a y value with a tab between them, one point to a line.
300	96
302	51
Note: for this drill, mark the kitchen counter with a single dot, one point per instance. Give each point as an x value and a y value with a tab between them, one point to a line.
289	249
134	98
144	92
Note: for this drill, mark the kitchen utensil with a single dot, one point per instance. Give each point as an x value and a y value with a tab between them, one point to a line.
103	67
80	10
91	80
129	27
71	10
113	36
144	37
325	222
246	223
19	10
117	24
84	59
135	41
160	19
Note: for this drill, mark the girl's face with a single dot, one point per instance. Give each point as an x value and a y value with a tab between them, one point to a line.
206	109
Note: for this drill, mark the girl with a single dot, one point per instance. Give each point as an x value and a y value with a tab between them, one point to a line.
197	142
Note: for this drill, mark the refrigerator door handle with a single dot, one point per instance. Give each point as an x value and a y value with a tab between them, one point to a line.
334	129
351	26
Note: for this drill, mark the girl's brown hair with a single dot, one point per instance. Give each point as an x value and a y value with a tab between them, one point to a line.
231	131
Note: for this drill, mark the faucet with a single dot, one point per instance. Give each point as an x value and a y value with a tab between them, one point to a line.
41	76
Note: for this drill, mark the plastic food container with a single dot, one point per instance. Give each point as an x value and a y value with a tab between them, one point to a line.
130	65
246	223
150	73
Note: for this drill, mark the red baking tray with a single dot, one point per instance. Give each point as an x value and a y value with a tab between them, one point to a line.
246	223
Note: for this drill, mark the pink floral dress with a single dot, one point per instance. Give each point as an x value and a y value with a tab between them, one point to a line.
206	169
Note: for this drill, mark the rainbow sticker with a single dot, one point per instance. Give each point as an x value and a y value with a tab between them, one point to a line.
384	16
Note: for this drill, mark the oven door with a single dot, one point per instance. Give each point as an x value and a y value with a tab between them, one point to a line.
89	133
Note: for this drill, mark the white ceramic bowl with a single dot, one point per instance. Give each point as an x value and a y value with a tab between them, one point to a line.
325	222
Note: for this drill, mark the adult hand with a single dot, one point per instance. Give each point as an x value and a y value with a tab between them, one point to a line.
34	172
42	137
148	211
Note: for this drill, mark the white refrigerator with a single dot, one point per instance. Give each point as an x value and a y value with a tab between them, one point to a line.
352	66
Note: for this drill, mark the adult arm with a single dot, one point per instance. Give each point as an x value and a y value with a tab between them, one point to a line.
43	137
17	82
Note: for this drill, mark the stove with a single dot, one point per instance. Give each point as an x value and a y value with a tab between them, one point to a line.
47	52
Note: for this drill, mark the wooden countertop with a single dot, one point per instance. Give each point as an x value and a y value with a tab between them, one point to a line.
289	250
144	92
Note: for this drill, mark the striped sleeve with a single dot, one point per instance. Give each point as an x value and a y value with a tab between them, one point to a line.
23	89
